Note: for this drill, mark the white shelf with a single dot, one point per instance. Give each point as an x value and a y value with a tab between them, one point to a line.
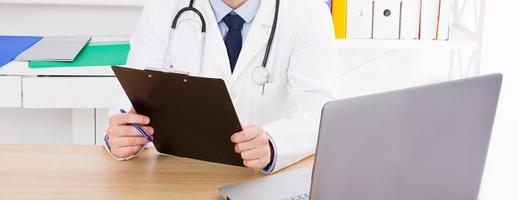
78	2
460	39
22	69
404	44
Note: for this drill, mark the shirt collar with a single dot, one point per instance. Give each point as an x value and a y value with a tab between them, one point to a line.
247	11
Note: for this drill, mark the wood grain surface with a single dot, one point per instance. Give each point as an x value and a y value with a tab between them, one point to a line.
88	172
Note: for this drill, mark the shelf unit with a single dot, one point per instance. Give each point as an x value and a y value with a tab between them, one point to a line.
57	88
464	44
460	39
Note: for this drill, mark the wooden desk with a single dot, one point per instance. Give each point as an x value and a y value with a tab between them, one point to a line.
88	172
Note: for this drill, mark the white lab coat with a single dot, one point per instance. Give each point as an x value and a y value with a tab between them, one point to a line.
303	65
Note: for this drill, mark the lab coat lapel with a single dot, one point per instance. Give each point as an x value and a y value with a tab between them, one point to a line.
215	46
256	40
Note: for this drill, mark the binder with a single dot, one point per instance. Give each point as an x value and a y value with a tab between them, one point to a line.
429	19
360	19
445	20
410	19
193	117
339	18
386	19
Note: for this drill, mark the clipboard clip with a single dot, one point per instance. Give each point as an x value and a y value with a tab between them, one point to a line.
166	70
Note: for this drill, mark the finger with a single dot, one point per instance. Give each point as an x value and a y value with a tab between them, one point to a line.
259	141
245	135
127	141
128	131
132	131
246	146
148	129
124	152
128	118
259	153
257	164
132	110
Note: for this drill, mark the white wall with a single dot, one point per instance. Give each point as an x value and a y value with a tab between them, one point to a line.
67	20
500	54
35	126
371	71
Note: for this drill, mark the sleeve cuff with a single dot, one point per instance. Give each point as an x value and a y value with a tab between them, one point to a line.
107	147
270	168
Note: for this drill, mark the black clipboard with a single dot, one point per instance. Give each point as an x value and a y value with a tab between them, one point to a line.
193	117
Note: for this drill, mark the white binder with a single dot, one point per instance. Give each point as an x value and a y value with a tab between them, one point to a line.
360	19
445	20
410	19
386	19
429	19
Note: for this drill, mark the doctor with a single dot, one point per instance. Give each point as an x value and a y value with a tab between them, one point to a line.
279	103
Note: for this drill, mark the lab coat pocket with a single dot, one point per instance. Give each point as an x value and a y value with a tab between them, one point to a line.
272	102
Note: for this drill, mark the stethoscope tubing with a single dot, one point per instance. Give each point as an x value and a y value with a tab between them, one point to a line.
266	56
271	37
187	9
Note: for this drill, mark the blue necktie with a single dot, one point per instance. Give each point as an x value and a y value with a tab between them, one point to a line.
233	39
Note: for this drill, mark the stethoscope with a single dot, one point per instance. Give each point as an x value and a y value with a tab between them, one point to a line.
260	74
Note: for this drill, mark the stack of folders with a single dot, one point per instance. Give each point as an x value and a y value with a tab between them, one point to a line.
392	19
94	54
61	51
55	49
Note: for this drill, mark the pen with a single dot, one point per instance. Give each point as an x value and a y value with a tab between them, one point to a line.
139	128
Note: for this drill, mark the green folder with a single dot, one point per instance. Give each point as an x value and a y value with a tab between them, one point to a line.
100	54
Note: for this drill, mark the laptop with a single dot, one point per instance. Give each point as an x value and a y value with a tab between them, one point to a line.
428	143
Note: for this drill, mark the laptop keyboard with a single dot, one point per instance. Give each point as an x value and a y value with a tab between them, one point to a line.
298	197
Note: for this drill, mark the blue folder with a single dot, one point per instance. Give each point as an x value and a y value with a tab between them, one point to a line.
12	46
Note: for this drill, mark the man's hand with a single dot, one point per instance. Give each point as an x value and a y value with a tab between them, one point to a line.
253	145
124	139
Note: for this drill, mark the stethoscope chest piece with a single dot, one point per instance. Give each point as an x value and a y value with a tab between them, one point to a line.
260	75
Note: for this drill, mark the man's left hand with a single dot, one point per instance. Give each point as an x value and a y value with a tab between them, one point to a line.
253	145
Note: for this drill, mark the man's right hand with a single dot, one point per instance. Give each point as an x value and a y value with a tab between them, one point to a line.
124	139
